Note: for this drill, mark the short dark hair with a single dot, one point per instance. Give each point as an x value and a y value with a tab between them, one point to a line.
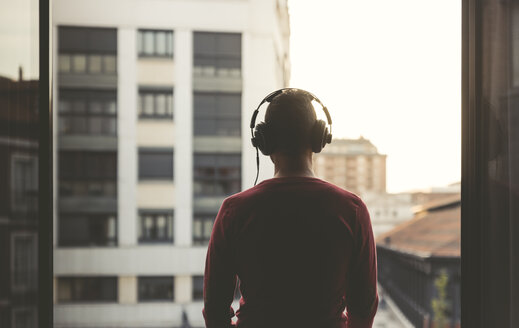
291	117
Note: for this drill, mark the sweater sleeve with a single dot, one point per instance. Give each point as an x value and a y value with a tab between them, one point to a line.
361	295
220	275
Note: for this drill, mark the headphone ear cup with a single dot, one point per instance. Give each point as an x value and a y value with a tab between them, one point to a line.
318	138
263	139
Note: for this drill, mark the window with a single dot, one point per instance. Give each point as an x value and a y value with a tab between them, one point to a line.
24	318
87	230
220	52
87	289
198	288
24	261
202	227
217	174
156	226
155	43
87	173
24	183
155	163
217	113
87	50
87	112
156	103
156	288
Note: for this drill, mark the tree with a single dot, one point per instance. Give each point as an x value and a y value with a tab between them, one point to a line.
440	304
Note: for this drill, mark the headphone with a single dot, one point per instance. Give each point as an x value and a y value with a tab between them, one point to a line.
262	137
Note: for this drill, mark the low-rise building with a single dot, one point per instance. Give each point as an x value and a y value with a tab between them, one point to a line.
420	259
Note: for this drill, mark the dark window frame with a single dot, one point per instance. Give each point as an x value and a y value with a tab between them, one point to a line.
216	178
101	242
25	269
215	56
140	41
87	98
155	176
155	213
197	294
85	50
91	282
216	115
81	167
168	92
157	280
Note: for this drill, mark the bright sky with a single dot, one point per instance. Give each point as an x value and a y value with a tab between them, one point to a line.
391	72
19	34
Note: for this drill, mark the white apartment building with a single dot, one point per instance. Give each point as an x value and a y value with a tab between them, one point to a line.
152	108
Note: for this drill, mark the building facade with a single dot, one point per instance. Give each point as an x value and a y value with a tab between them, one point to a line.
352	164
152	106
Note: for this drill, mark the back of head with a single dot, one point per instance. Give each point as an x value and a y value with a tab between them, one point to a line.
291	118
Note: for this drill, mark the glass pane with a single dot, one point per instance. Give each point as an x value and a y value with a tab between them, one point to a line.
94	63
95	125
111	107
64	63
96	107
79	63
169	44
79	106
148	104
160	104
64	125
112	226
155	289
64	106
110	64
156	164
170	227
208	228
161	227
161	43
140	42
197	228
149	42
169	105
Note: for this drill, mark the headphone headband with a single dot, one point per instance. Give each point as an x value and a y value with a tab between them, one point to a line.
274	94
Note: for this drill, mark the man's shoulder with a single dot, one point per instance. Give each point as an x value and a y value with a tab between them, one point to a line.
321	187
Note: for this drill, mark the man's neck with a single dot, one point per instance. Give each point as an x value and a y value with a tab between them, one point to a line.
293	165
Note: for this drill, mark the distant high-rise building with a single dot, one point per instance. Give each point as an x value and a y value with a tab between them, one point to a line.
152	106
352	164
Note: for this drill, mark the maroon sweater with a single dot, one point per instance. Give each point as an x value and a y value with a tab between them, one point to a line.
303	251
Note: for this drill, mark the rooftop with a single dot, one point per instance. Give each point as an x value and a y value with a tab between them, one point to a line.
433	232
351	147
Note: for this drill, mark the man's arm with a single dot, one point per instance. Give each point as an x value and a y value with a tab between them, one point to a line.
361	294
220	276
